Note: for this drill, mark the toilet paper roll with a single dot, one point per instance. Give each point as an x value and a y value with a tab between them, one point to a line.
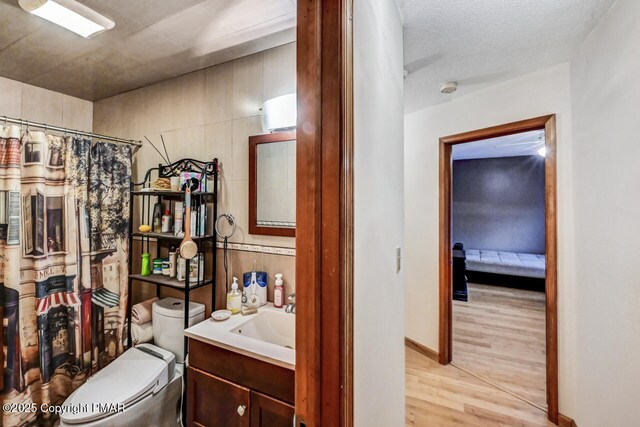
141	333
141	312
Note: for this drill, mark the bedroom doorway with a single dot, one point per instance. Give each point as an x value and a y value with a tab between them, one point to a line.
511	291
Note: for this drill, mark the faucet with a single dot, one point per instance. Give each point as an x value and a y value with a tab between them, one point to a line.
291	307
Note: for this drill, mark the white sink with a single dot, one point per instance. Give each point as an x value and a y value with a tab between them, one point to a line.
274	327
267	335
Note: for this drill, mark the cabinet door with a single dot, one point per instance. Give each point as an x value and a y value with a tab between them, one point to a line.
214	402
269	412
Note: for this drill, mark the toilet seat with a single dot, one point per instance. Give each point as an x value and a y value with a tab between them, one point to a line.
128	379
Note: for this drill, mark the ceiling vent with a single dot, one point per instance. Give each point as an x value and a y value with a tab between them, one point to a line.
448	87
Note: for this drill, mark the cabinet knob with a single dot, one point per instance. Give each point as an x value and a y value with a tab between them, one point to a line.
241	409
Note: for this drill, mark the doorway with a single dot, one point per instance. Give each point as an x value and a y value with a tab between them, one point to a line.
546	124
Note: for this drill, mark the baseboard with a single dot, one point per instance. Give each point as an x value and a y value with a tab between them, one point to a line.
426	351
564	421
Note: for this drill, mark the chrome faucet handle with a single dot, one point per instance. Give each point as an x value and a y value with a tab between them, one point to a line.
291	307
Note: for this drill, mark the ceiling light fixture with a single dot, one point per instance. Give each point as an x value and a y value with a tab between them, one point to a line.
542	152
69	14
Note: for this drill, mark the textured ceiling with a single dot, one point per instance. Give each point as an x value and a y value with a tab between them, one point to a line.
521	144
481	42
152	41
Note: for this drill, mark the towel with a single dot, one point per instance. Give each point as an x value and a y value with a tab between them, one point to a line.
141	333
141	312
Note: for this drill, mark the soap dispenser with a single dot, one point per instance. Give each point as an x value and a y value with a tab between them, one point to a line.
278	292
234	298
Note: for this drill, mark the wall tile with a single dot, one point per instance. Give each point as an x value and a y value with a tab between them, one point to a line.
41	105
11	98
192	94
219	93
167	97
242	130
279	71
247	86
238	196
77	113
218	142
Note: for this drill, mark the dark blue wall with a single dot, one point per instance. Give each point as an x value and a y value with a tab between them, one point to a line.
498	204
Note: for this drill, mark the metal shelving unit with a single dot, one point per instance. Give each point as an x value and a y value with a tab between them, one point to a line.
143	193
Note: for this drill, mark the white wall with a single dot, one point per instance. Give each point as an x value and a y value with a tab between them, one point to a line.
605	95
379	297
536	94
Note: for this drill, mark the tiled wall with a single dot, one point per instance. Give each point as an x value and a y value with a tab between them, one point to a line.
22	101
206	114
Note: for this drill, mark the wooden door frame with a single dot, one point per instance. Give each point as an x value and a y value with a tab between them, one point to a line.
324	214
548	123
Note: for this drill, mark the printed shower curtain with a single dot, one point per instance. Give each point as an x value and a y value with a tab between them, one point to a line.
63	264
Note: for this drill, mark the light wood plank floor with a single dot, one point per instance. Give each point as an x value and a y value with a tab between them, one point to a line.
499	336
445	396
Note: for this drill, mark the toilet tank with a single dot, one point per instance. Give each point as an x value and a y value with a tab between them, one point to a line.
168	324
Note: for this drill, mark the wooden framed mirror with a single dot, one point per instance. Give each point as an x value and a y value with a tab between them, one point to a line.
272	184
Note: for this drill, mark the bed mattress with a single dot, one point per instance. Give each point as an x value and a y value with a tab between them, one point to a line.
511	263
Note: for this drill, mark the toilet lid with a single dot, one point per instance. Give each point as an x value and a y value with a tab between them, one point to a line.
131	377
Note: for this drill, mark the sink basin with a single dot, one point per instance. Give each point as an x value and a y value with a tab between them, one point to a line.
274	327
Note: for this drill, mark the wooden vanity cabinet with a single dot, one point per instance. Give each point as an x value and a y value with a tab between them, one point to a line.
269	412
229	389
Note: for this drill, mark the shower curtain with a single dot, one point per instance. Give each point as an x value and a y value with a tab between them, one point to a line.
64	207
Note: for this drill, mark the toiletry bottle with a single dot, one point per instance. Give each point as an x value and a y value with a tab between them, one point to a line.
166	221
157	218
178	216
234	298
145	270
278	292
173	259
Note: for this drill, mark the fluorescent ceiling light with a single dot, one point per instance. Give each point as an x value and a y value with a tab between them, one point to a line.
69	14
543	151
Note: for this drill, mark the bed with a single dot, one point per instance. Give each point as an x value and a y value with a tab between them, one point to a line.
507	263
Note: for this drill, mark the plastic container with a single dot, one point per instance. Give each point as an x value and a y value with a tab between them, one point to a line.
166	221
157	266
234	298
166	267
278	292
145	270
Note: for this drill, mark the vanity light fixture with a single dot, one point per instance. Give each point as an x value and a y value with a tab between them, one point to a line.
69	14
279	113
542	151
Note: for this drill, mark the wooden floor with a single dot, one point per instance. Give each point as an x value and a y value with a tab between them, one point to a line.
499	336
444	396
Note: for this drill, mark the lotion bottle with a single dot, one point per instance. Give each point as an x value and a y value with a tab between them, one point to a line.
234	298
278	292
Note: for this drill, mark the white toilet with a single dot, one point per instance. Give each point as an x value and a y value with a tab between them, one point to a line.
145	380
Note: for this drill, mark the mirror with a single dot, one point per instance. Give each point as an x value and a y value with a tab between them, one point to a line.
272	184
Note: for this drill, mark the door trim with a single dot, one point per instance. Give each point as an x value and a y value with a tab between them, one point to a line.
324	214
548	123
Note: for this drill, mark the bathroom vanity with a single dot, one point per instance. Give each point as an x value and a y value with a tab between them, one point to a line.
242	370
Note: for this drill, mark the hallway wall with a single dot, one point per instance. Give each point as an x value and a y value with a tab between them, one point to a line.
536	94
605	96
378	324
